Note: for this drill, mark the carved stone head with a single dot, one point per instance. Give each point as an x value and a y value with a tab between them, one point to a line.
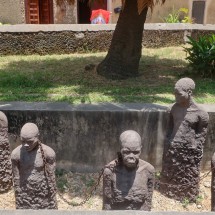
3	120
183	90
130	148
29	136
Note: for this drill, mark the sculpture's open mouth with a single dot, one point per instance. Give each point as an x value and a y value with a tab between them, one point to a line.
131	163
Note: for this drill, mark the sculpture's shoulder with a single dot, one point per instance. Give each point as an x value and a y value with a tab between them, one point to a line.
15	155
169	108
109	168
213	157
143	165
173	108
49	152
213	160
203	115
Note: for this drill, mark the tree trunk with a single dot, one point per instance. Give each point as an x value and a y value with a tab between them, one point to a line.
122	60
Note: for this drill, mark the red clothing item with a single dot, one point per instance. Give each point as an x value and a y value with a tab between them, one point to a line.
102	13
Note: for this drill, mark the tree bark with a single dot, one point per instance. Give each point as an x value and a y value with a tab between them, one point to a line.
122	60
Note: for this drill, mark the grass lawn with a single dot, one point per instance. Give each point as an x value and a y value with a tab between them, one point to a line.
63	78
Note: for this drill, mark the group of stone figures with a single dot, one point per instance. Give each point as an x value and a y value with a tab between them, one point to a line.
128	181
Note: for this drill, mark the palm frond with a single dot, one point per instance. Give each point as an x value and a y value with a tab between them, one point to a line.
91	2
142	4
60	2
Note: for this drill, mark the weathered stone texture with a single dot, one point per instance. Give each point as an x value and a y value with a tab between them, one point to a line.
183	149
35	190
16	9
54	42
128	182
69	41
33	165
213	183
162	38
196	34
182	157
5	163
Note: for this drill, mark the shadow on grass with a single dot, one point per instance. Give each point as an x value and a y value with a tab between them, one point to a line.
63	78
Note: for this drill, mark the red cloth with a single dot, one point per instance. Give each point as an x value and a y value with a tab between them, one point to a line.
103	13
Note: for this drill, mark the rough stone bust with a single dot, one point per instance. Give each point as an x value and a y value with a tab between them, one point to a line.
213	183
34	182
5	163
183	148
128	181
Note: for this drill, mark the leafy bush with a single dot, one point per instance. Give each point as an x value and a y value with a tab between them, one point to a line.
178	16
172	17
201	55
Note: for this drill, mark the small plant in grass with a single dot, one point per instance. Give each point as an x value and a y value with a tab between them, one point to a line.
201	55
157	175
90	182
62	182
185	202
1	23
199	199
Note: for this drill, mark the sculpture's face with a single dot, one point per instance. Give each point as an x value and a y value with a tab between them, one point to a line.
130	154
181	96
29	143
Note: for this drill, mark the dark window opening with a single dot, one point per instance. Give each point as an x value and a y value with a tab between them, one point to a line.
198	12
84	10
39	11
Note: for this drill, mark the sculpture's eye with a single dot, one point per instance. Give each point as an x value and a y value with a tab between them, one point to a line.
135	152
126	152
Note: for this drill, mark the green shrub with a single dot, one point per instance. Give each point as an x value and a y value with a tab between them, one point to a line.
172	17
178	16
201	55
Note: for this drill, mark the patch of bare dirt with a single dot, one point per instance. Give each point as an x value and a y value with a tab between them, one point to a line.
75	186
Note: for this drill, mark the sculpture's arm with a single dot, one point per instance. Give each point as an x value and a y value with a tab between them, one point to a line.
169	131
148	202
201	130
213	183
107	189
15	171
170	126
51	166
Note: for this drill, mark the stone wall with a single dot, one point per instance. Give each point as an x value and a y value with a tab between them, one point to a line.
85	137
160	12
12	11
64	39
65	13
210	18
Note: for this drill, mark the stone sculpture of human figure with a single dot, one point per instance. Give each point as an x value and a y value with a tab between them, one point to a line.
128	181
213	183
5	162
183	148
33	165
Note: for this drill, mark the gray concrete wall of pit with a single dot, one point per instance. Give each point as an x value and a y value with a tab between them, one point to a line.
85	137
